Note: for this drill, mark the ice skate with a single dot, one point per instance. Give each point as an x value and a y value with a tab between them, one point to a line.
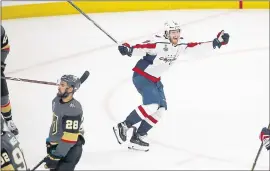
137	142
120	132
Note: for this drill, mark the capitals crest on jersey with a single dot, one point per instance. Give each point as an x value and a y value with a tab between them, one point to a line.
158	55
168	60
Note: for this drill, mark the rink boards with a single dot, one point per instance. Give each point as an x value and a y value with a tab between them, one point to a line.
63	8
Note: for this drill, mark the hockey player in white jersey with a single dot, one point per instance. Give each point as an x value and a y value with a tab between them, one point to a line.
158	55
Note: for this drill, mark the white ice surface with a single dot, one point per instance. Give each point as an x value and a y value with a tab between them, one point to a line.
216	105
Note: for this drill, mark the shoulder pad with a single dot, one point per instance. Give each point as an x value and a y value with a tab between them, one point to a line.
75	105
56	98
146	41
158	38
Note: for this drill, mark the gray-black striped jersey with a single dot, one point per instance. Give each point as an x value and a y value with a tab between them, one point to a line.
12	157
66	124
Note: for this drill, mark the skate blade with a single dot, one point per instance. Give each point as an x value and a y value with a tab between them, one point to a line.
137	149
116	135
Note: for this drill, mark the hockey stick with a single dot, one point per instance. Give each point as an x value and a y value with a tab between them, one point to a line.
28	80
82	79
86	16
37	165
258	153
84	76
210	41
207	41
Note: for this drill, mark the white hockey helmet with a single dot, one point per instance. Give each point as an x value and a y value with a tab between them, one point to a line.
169	26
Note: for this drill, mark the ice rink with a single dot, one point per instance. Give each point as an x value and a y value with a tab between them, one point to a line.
217	105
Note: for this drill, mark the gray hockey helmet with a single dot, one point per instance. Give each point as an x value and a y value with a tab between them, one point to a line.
72	81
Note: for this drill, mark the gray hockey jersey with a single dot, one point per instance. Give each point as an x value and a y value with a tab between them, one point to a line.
66	124
11	155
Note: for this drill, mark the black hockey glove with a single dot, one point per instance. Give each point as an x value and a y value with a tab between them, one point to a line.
222	39
50	148
3	66
125	49
51	161
264	136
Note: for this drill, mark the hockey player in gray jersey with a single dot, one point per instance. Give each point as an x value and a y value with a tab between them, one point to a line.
5	102
11	154
64	145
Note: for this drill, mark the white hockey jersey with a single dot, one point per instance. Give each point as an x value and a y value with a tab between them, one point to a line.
160	54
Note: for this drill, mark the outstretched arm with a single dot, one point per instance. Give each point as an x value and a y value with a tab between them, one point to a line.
205	47
146	47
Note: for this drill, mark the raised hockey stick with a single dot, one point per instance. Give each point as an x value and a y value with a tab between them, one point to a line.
86	16
84	76
258	154
82	79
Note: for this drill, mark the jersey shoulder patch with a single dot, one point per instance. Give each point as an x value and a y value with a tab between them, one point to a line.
75	104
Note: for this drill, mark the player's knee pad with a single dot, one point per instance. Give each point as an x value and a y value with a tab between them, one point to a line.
4	100
4	88
150	109
155	117
4	54
146	110
158	115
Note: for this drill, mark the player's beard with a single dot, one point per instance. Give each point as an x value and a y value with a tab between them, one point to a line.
62	95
